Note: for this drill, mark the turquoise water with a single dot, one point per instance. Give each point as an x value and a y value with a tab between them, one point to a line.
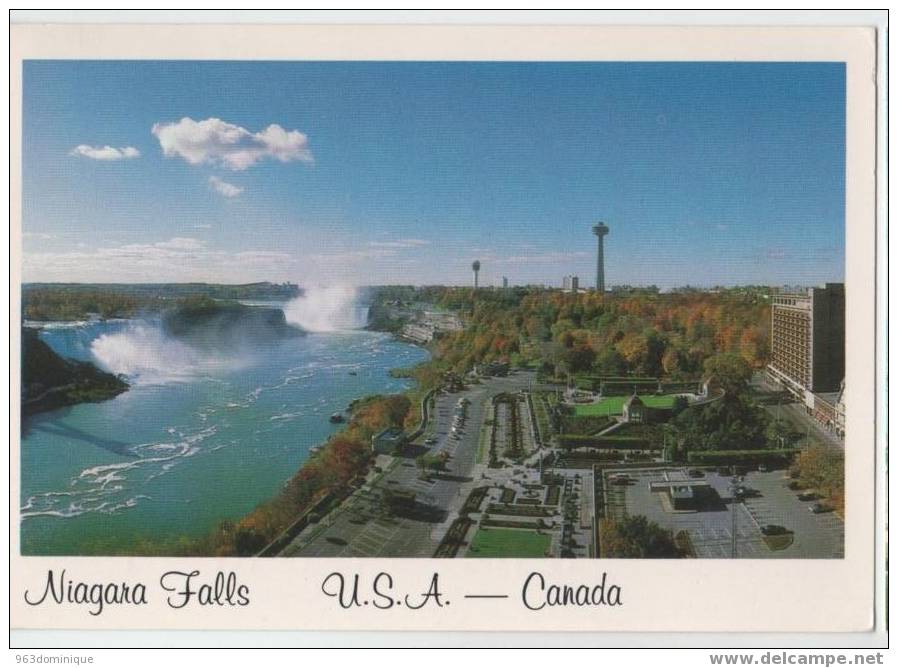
201	436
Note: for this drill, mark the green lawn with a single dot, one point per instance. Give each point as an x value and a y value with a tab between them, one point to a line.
615	405
508	543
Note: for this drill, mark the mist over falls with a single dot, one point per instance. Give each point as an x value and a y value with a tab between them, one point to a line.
328	309
210	337
144	353
199	337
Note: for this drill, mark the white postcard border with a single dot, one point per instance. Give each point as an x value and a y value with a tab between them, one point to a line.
692	595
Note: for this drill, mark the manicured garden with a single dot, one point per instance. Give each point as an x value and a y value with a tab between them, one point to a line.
615	405
508	543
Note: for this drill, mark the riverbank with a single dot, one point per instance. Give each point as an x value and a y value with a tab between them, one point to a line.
50	381
328	476
326	479
197	441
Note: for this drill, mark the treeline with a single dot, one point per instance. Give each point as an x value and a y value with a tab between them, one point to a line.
644	333
78	301
43	304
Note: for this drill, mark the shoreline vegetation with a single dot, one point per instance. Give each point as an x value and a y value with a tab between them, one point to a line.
50	381
45	302
683	335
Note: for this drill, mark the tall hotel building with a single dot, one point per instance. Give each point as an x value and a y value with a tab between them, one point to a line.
807	349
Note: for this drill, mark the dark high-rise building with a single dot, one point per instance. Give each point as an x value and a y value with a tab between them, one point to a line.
807	339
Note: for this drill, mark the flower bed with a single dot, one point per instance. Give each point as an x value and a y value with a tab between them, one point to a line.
519	511
454	539
510	524
472	503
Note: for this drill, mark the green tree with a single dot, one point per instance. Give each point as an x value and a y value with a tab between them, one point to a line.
579	359
610	362
730	370
781	434
732	423
248	541
635	537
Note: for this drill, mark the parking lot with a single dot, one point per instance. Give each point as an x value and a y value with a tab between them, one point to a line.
362	527
710	529
820	536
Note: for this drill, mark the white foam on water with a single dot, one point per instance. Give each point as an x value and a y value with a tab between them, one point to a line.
98	488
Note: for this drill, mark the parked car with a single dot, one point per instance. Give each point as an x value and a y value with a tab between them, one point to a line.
696	473
818	508
773	530
808	496
762	468
430	441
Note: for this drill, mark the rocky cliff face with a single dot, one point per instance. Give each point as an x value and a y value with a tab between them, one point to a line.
50	381
210	323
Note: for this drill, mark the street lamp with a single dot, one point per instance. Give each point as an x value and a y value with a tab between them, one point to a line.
734	482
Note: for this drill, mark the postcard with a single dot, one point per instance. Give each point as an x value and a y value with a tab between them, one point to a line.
443	328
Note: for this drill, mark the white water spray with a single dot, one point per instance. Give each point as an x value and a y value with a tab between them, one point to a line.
146	355
328	309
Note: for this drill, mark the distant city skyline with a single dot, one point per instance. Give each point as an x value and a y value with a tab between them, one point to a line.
385	173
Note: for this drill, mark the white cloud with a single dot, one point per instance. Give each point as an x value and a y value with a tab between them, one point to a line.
352	256
107	153
399	243
224	188
213	141
38	235
179	244
175	259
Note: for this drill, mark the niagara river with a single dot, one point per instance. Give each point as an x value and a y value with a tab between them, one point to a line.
200	437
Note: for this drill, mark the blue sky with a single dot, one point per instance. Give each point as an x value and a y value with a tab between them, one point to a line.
320	173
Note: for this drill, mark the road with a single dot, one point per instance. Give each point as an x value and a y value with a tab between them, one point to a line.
362	528
794	413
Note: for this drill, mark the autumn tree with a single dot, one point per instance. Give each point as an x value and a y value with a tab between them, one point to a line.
635	537
823	469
